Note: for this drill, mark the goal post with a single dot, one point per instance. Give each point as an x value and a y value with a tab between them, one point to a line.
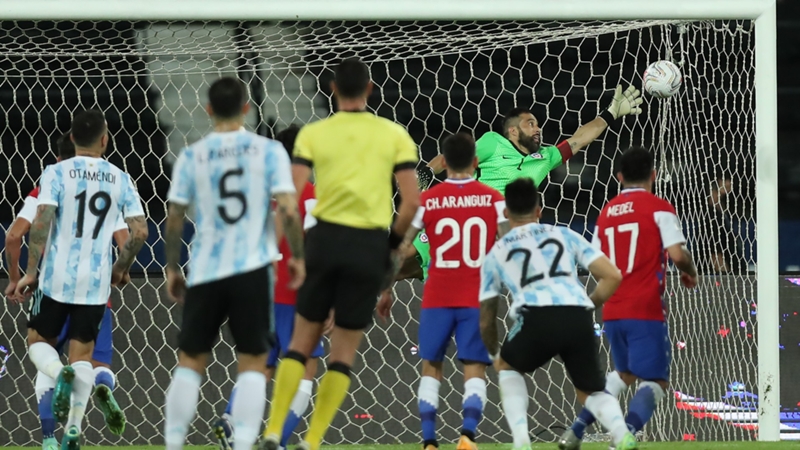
762	12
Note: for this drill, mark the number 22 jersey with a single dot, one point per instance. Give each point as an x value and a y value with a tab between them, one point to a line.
229	179
460	219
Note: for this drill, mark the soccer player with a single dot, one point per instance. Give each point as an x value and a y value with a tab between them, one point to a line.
461	218
228	178
80	201
553	314
518	152
635	230
101	356
348	250
285	300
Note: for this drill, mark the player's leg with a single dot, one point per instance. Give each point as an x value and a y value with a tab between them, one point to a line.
472	352
580	353
203	313
44	386
651	354
302	397
104	379
436	327
617	382
84	325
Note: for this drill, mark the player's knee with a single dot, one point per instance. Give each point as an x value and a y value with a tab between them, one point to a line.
432	369
474	369
627	378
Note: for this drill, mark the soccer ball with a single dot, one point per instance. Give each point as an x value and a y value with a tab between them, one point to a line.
662	79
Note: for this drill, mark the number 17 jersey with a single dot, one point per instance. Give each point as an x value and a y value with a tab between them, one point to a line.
460	219
229	179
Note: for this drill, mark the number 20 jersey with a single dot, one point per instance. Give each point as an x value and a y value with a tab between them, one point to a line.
460	219
229	179
89	195
539	266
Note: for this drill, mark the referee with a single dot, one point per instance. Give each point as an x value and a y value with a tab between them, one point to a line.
354	154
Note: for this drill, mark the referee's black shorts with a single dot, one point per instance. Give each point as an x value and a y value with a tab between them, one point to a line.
344	270
542	333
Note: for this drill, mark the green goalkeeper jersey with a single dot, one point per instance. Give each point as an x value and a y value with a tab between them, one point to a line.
500	163
423	253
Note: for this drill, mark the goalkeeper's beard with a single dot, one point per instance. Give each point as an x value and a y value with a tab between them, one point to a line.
531	143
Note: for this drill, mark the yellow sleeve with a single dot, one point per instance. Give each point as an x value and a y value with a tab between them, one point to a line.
302	147
406	152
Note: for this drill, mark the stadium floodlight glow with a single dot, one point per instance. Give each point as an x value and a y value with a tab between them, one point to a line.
764	81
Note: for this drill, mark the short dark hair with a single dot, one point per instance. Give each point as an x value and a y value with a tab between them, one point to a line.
522	197
351	78
65	147
227	97
636	164
459	151
88	127
512	116
287	136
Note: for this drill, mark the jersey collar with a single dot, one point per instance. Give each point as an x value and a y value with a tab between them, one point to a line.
461	181
629	190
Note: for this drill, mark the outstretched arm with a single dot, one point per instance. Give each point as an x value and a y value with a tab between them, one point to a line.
623	104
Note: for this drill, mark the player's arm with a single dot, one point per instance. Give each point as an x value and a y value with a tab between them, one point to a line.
16	231
173	235
623	104
674	242
682	259
40	229
134	241
291	222
409	266
608	279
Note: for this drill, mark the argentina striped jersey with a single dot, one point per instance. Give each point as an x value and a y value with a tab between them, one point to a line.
228	179
539	266
90	195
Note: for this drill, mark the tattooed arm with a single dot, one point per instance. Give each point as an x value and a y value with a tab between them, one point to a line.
489	325
173	234
137	237
40	230
397	257
292	224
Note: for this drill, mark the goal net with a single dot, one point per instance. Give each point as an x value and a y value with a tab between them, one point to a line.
434	78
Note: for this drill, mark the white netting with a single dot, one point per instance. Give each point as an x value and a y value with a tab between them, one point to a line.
435	78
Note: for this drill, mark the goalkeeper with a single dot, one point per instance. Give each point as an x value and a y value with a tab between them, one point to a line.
519	153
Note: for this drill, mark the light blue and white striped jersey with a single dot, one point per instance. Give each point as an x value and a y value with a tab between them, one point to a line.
539	266
229	179
90	194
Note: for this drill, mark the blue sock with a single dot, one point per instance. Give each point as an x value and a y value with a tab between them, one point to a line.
584	420
46	415
104	377
427	415
473	410
288	427
641	408
230	401
428	402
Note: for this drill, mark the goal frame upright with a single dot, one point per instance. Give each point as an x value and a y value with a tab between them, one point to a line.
762	12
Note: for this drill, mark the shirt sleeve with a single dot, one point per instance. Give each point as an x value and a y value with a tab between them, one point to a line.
121	224
131	203
553	156
28	211
485	147
309	220
406	155
281	177
596	243
302	148
181	189
669	226
417	222
51	186
490	278
585	253
500	207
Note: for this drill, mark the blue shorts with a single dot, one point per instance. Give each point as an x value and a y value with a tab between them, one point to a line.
284	327
438	325
103	349
640	347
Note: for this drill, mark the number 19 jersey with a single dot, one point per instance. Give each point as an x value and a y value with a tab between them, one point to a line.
229	179
539	266
89	194
460	220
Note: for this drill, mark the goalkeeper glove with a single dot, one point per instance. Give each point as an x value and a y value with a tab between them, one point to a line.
625	103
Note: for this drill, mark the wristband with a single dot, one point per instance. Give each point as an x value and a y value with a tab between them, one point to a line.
394	240
608	117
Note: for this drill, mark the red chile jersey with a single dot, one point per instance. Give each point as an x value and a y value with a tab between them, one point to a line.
633	230
460	218
284	295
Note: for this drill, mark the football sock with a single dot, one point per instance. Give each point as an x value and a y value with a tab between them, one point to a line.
614	386
428	401
296	411
474	399
46	359
81	391
287	380
248	408
643	405
606	408
103	376
514	399
44	397
181	405
331	393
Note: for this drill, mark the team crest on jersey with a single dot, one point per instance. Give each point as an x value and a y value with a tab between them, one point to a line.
537	156
423	238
